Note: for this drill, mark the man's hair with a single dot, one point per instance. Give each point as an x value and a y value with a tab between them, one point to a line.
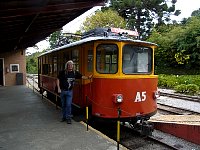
68	62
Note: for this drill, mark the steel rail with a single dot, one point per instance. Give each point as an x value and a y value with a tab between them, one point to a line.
176	110
181	96
164	143
152	138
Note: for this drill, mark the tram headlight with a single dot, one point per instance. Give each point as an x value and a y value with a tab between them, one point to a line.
118	98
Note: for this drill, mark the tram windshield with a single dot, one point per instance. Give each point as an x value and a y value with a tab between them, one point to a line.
136	59
107	55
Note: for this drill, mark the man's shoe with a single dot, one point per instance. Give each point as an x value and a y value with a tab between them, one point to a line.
63	120
69	121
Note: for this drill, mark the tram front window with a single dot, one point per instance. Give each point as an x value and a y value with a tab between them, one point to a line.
137	59
107	58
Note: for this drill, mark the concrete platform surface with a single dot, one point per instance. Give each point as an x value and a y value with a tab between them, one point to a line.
29	123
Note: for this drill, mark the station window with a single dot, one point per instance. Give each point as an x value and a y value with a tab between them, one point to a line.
107	56
137	59
14	68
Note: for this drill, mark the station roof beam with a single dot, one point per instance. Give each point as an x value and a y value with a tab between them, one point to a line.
23	23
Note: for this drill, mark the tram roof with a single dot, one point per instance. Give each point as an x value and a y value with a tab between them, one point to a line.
89	39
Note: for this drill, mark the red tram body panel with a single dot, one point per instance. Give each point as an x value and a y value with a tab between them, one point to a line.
138	97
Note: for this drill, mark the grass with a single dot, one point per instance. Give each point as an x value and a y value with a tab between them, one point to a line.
188	84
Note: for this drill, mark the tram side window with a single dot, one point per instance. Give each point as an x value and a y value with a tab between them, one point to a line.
107	56
90	61
75	58
66	56
45	69
50	62
54	65
136	59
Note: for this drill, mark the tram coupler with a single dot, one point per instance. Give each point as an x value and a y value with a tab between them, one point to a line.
144	127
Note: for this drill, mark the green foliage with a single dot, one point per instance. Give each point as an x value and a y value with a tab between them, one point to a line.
167	81
196	13
107	18
32	63
141	13
181	58
179	45
54	39
187	89
58	38
182	88
177	71
192	89
188	84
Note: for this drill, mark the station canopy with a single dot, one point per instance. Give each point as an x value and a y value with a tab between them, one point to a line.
23	23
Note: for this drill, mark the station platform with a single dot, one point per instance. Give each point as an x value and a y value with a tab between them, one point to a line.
28	122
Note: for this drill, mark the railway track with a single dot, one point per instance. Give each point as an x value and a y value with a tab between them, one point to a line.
180	96
132	139
166	109
172	103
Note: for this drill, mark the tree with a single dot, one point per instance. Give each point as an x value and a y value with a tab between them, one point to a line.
56	39
142	14
32	62
196	13
179	45
59	38
107	18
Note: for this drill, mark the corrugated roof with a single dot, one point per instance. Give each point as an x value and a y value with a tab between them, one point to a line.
102	38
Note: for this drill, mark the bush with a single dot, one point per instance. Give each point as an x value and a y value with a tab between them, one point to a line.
171	84
188	84
187	89
182	88
162	82
192	89
167	81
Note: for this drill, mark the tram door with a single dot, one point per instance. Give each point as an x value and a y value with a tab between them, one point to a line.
1	72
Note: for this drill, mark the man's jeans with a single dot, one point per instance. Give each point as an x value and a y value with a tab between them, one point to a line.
66	100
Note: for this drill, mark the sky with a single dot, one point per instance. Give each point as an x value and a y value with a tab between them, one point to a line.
76	23
186	7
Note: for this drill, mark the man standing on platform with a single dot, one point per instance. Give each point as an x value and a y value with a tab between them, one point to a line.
65	82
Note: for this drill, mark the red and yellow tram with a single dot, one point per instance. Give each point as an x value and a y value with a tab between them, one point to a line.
122	69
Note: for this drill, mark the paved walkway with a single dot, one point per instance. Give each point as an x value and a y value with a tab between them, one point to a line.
29	123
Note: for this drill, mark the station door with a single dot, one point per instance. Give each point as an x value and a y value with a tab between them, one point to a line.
1	72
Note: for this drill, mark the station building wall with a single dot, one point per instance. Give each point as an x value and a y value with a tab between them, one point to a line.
14	64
